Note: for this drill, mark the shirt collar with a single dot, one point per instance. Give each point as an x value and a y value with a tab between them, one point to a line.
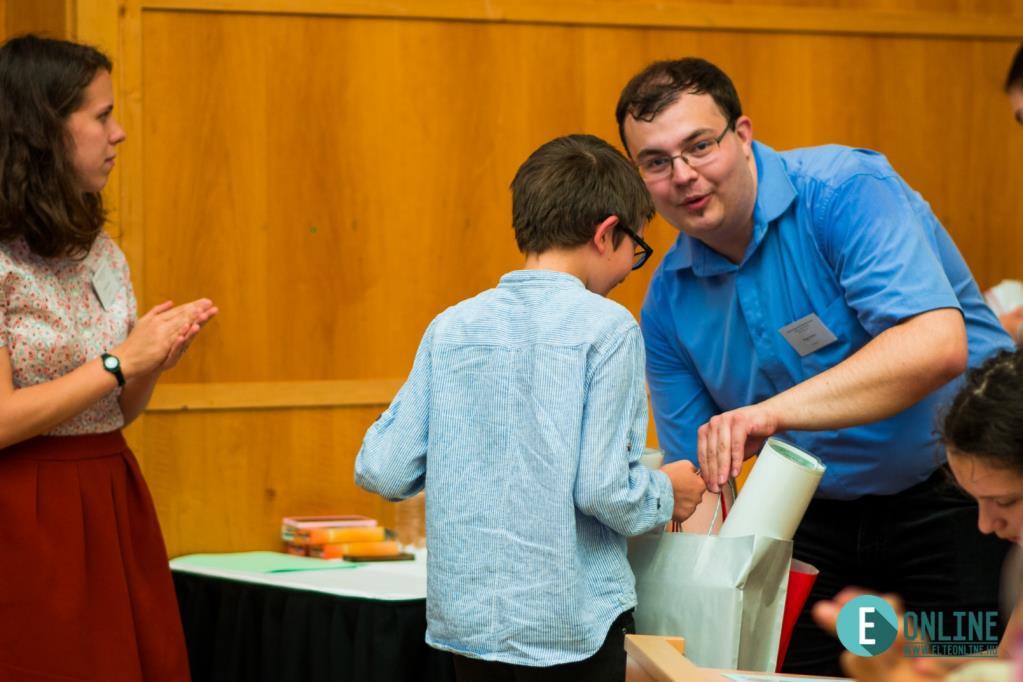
775	193
537	277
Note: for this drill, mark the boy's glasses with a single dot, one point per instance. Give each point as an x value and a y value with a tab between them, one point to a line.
643	250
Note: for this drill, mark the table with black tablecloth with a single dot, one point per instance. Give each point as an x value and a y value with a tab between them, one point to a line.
364	623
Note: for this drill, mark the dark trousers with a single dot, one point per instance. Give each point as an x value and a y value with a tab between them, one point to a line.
607	665
922	544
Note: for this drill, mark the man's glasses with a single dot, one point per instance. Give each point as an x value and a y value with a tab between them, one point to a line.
697	153
642	252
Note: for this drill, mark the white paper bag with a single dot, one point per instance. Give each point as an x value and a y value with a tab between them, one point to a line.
725	595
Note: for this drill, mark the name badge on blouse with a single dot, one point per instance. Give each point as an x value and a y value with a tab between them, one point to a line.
807	335
106	285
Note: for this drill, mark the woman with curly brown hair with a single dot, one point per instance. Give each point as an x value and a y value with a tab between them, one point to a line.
85	590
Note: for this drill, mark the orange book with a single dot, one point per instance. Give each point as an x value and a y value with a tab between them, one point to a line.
333	536
340	550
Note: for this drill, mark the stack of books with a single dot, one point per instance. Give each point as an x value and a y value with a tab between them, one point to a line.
350	537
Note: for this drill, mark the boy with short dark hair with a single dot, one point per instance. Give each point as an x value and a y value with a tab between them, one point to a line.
525	416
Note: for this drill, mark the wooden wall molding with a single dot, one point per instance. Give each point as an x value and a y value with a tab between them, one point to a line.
257	395
637	13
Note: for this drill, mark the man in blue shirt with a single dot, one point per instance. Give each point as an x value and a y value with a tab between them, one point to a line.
1012	320
525	417
1014	85
813	294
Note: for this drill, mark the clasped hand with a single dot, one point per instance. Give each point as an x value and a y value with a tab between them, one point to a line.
162	335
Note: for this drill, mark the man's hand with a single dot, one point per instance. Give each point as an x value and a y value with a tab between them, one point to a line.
687	486
729	438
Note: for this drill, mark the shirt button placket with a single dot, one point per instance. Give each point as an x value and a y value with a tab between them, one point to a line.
748	292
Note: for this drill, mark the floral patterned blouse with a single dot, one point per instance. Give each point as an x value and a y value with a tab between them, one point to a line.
52	321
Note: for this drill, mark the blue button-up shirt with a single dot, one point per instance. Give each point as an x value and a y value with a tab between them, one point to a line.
525	416
836	233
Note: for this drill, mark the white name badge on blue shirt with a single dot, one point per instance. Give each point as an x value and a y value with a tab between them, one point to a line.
106	285
807	335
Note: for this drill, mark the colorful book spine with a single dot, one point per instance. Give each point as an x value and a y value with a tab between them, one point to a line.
296	529
298	550
327	536
361	549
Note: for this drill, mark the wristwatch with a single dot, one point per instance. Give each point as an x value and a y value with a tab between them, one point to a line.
113	365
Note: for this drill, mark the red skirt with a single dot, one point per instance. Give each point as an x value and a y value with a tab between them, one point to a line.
85	590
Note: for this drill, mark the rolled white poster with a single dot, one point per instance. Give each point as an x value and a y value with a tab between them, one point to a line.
776	493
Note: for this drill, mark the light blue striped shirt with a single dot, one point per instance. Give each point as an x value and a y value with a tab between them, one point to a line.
524	416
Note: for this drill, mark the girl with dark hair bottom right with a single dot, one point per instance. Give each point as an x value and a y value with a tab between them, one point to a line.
983	435
85	588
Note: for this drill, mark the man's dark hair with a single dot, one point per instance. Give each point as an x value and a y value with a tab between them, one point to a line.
1014	79
569	186
42	82
985	419
659	85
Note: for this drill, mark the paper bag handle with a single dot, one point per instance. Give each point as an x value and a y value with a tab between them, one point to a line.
721	506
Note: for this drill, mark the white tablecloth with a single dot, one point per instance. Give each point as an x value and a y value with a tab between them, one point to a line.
385	580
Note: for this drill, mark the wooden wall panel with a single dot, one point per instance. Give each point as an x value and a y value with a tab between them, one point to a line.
54	18
334	179
222	481
376	197
335	198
